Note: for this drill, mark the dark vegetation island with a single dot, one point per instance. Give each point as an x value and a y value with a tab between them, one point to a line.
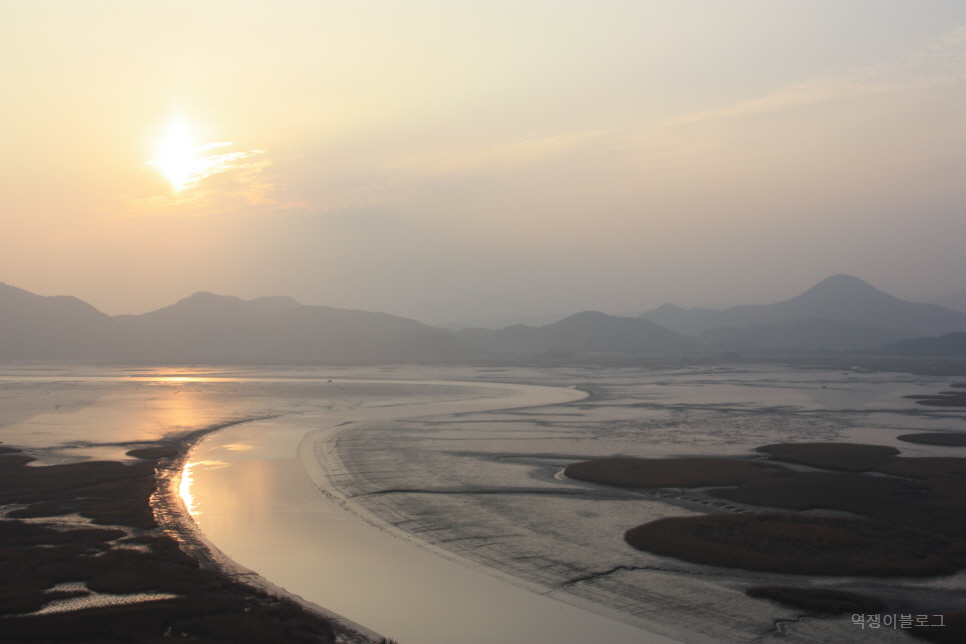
815	509
87	530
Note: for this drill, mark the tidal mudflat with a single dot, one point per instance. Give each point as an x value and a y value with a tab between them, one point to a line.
489	487
485	487
263	494
82	554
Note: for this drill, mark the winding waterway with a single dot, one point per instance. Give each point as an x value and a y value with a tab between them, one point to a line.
450	481
261	495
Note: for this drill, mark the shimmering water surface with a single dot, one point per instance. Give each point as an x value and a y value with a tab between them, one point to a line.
455	493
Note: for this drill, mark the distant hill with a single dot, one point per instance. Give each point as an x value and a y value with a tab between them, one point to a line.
840	313
59	327
839	298
208	328
273	303
809	334
502	322
955	300
687	321
949	345
587	332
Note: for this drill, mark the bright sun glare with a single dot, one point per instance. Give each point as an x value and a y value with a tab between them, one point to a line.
178	158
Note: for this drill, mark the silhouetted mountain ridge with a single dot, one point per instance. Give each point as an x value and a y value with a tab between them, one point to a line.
55	327
840	298
839	313
211	328
955	300
949	345
809	334
586	332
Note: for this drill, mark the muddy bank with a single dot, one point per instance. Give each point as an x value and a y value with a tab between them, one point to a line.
84	557
903	518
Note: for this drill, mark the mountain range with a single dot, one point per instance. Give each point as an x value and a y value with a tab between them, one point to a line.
954	300
841	313
586	332
807	334
947	346
840	298
208	328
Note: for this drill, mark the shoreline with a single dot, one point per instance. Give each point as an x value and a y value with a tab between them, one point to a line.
319	456
174	520
106	558
186	430
459	597
164	572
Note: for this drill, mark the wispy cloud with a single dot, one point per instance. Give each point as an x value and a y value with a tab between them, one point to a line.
505	155
815	91
942	62
217	184
821	113
415	175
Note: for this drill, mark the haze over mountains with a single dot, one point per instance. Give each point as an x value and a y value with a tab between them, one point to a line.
842	298
841	313
955	300
209	328
586	332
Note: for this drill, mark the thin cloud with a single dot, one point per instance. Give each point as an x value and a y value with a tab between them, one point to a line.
939	63
499	157
416	175
233	182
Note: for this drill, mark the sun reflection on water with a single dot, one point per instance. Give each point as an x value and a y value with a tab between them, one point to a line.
185	490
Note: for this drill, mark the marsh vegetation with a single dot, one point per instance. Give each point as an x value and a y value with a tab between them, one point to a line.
906	517
100	531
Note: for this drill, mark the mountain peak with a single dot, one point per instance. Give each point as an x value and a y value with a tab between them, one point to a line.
201	303
203	296
667	307
842	284
203	300
841	298
273	303
586	316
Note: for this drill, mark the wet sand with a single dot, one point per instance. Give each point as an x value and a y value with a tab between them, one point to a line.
261	507
84	559
488	486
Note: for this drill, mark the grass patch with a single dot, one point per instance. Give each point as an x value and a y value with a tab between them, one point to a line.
800	544
825	490
935	438
34	557
952	631
107	492
154	453
672	472
852	457
200	618
935	504
19	533
845	457
942	399
923	467
833	602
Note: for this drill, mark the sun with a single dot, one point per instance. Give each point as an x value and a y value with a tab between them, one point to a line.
177	158
182	161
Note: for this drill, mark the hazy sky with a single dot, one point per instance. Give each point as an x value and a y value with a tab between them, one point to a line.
454	159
